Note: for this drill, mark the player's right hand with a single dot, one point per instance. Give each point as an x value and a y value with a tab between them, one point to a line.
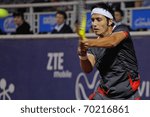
82	48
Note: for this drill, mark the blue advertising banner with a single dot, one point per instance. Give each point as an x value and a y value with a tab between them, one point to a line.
7	25
49	70
46	22
141	19
39	69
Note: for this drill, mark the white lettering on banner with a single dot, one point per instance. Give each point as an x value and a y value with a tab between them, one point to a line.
4	95
49	20
142	22
79	88
9	25
144	89
56	65
63	74
55	61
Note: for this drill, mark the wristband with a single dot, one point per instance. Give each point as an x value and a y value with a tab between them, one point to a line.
83	58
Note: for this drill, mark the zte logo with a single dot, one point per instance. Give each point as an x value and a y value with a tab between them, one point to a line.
56	65
55	61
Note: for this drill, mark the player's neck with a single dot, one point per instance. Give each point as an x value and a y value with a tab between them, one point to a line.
107	33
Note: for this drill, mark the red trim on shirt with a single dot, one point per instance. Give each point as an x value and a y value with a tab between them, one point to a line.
92	96
134	84
100	91
138	98
126	34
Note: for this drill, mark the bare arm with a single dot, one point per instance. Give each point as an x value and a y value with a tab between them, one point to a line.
87	62
107	42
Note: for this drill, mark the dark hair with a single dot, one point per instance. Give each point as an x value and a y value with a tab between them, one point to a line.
105	6
120	11
18	14
62	13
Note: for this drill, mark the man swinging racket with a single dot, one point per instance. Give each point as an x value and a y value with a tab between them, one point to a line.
113	55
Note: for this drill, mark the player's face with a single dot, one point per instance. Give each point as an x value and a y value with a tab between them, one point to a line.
59	19
18	20
99	24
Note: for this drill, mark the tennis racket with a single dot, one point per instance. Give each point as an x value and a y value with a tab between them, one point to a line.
81	14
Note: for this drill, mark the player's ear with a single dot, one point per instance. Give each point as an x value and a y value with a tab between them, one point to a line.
110	22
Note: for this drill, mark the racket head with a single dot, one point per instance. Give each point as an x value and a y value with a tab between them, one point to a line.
81	14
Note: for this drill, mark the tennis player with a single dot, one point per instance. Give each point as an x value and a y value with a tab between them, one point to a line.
113	55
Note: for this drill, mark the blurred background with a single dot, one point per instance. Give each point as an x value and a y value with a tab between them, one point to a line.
38	59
